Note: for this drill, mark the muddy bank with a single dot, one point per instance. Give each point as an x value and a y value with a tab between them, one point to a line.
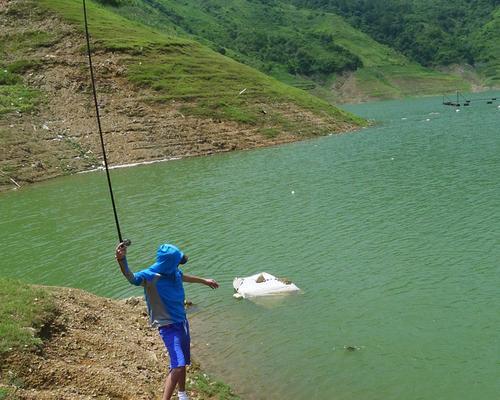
98	348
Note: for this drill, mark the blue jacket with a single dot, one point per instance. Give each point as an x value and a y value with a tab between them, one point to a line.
163	288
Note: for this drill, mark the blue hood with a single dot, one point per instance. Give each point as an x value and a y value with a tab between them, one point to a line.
167	259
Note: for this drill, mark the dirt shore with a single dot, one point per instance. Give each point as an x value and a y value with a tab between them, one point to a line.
98	348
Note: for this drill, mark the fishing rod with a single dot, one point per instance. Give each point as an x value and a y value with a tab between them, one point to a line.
126	242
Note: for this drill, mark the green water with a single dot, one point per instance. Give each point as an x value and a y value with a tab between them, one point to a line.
392	233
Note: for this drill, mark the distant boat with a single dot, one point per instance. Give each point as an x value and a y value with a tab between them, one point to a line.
465	102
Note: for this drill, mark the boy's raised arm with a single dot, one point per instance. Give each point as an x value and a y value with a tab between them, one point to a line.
120	255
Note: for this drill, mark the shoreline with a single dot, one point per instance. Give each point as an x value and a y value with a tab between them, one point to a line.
14	185
289	140
97	347
129	165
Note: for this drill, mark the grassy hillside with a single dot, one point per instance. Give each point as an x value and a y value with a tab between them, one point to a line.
430	32
487	43
302	47
162	95
178	68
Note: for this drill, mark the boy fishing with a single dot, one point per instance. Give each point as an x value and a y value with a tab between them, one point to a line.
164	293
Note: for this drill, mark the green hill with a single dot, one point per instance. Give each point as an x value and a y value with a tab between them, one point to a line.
307	48
179	68
430	32
487	45
162	95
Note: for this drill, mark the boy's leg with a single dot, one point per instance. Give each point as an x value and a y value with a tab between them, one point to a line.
176	376
186	350
177	341
182	380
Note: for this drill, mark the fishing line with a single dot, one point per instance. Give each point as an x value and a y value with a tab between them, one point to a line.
91	68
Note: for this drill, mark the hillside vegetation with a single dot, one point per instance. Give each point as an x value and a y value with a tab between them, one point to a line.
309	48
430	32
161	96
184	78
487	41
178	68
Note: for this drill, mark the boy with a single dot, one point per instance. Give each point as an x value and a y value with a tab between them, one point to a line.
164	293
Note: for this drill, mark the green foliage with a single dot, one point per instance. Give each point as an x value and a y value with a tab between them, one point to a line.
208	389
176	68
9	74
16	97
398	81
8	78
22	66
487	47
14	43
110	31
431	32
300	47
270	132
113	3
23	310
8	394
273	37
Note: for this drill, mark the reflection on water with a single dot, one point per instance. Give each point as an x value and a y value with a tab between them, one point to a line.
391	233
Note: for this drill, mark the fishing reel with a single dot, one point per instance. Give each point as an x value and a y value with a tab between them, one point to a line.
126	242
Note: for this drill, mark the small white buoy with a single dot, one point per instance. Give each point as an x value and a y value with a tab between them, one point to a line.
392	158
457	110
293	191
404	119
428	119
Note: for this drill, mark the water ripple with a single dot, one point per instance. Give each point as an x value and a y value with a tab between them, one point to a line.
391	233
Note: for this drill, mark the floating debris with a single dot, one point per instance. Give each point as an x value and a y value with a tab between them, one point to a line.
352	348
262	284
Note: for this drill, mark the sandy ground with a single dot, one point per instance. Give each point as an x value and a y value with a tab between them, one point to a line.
95	348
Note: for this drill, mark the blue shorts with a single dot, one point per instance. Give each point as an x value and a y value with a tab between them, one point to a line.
177	341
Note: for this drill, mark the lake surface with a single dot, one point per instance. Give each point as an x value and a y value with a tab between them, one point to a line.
392	233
